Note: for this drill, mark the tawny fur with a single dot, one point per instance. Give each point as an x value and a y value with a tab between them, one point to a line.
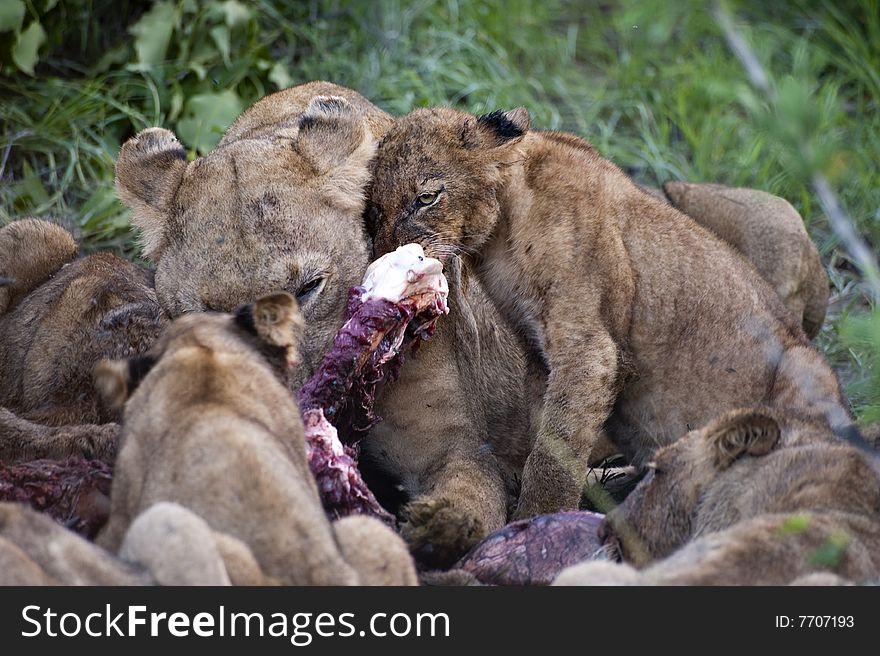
35	550
648	323
64	316
22	440
280	206
31	251
212	428
756	497
177	547
771	234
166	545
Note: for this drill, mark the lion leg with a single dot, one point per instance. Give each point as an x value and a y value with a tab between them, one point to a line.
22	440
580	393
804	381
175	546
466	501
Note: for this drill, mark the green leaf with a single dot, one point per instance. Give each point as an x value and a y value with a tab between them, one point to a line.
24	52
236	13
220	34
32	187
101	210
48	5
176	103
111	57
279	76
207	116
795	524
153	33
11	15
831	553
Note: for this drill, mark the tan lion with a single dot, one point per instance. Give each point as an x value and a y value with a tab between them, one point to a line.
167	545
208	425
59	316
279	205
649	324
757	497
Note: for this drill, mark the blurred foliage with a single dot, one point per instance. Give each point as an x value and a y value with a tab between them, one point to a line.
862	334
651	83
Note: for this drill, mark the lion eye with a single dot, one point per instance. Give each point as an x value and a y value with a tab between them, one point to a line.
427	198
309	289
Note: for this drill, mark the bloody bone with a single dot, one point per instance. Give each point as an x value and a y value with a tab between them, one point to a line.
533	551
74	492
402	296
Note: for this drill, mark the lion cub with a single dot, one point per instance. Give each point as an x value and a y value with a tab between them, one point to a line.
210	426
755	498
59	316
648	323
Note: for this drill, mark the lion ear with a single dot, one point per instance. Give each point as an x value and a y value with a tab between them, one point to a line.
149	170
496	129
116	380
753	432
329	131
274	318
31	250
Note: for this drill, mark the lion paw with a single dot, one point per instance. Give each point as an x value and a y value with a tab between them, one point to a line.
437	533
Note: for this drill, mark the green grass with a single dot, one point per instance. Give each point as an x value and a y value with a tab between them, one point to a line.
652	84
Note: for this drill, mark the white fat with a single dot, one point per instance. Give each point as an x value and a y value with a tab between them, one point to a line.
404	273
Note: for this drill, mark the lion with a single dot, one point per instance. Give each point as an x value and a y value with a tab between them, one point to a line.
166	545
209	425
35	550
60	315
278	205
757	497
770	233
620	294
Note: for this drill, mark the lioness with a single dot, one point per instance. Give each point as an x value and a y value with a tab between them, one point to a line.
648	323
210	426
279	205
59	316
756	497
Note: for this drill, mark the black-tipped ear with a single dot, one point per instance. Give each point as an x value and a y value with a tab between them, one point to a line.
329	131
742	432
274	318
497	128
116	380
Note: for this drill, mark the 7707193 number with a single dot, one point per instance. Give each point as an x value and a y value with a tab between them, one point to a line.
815	621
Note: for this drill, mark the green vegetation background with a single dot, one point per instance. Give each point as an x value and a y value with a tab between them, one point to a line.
651	83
